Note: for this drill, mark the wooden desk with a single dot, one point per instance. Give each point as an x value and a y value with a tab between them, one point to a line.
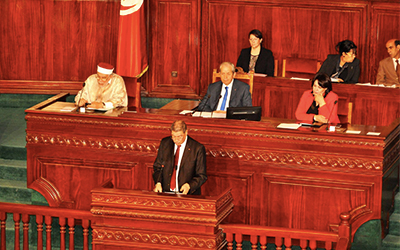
135	219
371	105
298	178
181	105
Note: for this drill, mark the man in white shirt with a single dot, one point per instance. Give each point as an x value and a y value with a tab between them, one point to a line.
103	89
389	68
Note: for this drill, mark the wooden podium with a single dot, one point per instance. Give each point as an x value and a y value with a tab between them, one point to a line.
134	219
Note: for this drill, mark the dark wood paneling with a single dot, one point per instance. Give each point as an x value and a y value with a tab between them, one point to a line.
56	40
303	29
175	44
385	20
48	40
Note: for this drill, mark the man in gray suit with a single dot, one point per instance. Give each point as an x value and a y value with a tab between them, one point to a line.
389	68
228	92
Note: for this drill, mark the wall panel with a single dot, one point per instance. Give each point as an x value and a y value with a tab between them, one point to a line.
305	30
56	40
174	27
385	20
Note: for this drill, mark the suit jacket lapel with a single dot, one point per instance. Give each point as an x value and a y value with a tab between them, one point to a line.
233	94
185	152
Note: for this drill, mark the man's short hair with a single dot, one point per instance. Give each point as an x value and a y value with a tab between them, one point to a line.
229	64
397	43
178	126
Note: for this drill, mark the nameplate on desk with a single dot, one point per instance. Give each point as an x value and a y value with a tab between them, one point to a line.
209	114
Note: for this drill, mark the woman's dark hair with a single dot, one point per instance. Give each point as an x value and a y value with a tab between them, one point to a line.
324	81
256	33
346	46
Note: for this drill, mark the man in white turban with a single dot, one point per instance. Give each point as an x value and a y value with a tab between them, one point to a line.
103	89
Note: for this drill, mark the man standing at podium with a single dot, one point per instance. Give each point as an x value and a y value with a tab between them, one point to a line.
180	165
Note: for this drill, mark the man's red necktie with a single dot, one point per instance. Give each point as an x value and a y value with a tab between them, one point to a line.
173	177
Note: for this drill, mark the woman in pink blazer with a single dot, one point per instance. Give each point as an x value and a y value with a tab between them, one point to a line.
320	103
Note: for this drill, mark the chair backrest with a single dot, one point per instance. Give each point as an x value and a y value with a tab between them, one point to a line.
248	77
300	67
345	110
276	68
133	89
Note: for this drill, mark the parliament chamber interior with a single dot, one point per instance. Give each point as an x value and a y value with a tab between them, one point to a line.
73	179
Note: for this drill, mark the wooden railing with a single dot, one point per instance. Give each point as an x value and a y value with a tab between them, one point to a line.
338	237
66	217
289	237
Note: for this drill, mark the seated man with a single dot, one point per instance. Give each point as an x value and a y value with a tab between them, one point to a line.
103	90
389	68
180	165
226	93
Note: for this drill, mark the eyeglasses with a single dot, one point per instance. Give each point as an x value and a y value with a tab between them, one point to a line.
102	78
254	39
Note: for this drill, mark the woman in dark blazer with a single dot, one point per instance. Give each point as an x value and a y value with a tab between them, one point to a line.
345	67
256	58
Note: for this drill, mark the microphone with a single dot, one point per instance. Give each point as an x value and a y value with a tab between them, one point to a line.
83	85
208	98
327	122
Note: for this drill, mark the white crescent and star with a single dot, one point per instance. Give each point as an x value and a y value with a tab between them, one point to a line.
130	6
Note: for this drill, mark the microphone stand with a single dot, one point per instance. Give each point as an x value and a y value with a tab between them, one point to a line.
83	86
208	97
327	124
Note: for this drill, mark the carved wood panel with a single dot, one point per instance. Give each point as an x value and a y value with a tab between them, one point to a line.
56	40
174	32
290	199
385	19
82	175
221	178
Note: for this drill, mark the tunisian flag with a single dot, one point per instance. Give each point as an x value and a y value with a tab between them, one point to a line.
132	53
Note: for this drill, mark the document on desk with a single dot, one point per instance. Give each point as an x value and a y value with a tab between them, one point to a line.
289	125
202	114
209	114
99	109
354	132
300	79
376	85
68	109
184	112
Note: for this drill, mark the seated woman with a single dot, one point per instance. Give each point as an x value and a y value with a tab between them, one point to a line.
256	58
344	67
320	103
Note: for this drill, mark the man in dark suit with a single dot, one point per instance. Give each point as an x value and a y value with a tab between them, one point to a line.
228	92
180	165
389	68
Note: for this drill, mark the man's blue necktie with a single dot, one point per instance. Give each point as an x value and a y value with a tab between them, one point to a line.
224	100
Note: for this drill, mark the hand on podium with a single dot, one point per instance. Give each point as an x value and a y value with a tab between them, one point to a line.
158	188
185	188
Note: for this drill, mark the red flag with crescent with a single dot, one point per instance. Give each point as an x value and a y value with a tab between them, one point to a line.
132	52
